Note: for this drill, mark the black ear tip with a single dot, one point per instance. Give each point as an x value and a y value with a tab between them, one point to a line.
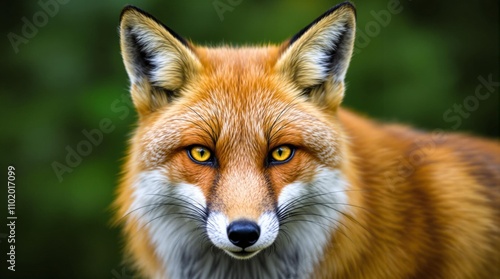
348	4
130	8
352	7
126	9
134	9
340	6
343	5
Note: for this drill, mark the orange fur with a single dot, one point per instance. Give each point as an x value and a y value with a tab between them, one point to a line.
420	205
437	218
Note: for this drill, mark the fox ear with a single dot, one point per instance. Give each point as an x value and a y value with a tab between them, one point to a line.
157	60
320	53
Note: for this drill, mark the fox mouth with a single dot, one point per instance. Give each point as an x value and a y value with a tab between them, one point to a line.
242	239
242	255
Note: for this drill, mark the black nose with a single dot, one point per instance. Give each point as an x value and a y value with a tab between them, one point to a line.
243	233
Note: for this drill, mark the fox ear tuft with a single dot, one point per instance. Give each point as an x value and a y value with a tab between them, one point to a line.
321	51
157	60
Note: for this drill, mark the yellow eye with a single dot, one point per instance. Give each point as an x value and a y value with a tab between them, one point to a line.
281	153
200	154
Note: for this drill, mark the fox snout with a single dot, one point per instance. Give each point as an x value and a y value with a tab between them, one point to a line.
242	217
243	233
242	238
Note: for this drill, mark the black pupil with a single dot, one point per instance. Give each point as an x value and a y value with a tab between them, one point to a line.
280	152
202	152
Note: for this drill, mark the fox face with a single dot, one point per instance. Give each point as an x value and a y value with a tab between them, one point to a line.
243	165
238	151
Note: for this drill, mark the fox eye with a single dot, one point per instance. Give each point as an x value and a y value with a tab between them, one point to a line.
281	154
200	154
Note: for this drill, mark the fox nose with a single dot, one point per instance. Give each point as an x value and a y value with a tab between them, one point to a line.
243	233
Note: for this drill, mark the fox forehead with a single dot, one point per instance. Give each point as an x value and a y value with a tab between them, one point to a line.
237	101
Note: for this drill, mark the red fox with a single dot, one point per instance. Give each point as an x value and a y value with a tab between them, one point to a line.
243	165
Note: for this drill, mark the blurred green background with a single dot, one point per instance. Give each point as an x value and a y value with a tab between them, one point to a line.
65	76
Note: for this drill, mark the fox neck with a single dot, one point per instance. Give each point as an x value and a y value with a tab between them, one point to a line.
184	251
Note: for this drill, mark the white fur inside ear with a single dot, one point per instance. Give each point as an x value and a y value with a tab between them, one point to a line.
321	53
160	58
152	53
316	59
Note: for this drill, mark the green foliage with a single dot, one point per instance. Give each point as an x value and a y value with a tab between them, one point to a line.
67	77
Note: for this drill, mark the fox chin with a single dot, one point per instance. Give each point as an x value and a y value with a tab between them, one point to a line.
244	165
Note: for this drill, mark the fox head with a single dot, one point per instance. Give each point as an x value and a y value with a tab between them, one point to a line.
237	149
